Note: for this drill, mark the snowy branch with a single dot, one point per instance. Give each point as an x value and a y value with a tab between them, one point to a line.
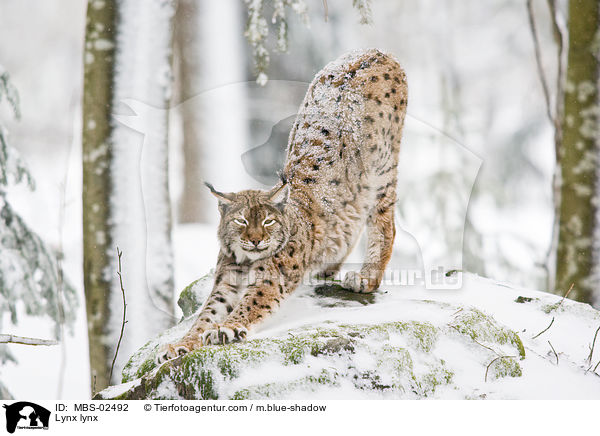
12	339
258	29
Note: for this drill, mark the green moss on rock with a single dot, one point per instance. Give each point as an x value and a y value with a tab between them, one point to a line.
504	367
133	369
484	329
310	383
192	297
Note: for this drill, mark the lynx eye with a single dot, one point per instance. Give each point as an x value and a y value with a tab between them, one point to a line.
241	221
268	222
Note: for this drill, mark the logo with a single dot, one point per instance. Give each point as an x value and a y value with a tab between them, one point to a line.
26	415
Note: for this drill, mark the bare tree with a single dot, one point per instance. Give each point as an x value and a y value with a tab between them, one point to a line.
577	252
125	177
188	56
97	154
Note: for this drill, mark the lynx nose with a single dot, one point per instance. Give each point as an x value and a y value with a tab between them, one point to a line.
255	242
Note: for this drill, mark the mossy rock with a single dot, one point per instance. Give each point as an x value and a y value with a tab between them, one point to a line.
396	359
191	298
486	331
505	366
313	358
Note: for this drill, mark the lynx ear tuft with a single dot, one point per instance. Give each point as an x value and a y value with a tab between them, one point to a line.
224	198
279	195
283	177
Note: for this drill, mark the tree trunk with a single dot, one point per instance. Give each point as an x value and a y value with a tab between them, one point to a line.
99	58
126	195
577	253
195	198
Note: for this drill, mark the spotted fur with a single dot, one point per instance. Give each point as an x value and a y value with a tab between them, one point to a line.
340	175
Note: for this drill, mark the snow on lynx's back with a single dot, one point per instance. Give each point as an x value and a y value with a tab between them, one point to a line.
340	175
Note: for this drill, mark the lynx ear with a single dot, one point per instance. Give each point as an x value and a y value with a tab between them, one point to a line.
279	195
224	198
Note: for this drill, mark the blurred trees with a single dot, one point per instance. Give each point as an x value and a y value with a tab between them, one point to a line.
578	242
125	185
31	279
188	60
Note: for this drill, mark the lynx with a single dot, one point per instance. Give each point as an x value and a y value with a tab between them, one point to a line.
340	175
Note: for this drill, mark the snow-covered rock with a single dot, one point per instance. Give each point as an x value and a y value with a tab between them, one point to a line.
481	341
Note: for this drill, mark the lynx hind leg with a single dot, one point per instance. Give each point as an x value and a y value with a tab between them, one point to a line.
380	239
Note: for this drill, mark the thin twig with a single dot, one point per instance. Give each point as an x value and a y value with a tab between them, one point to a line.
490	364
458	311
560	79
325	10
539	63
558	115
12	339
545	330
531	350
477	342
596	367
485	346
589	359
119	254
565	296
554	351
556	308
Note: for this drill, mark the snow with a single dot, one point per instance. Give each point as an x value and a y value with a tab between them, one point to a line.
196	254
571	335
118	389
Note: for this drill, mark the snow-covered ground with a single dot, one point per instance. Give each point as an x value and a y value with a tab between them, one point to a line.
556	363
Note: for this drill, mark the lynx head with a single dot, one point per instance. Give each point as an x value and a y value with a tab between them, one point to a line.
253	222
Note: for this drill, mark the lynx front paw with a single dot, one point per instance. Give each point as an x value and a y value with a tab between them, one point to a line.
171	351
222	334
357	283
